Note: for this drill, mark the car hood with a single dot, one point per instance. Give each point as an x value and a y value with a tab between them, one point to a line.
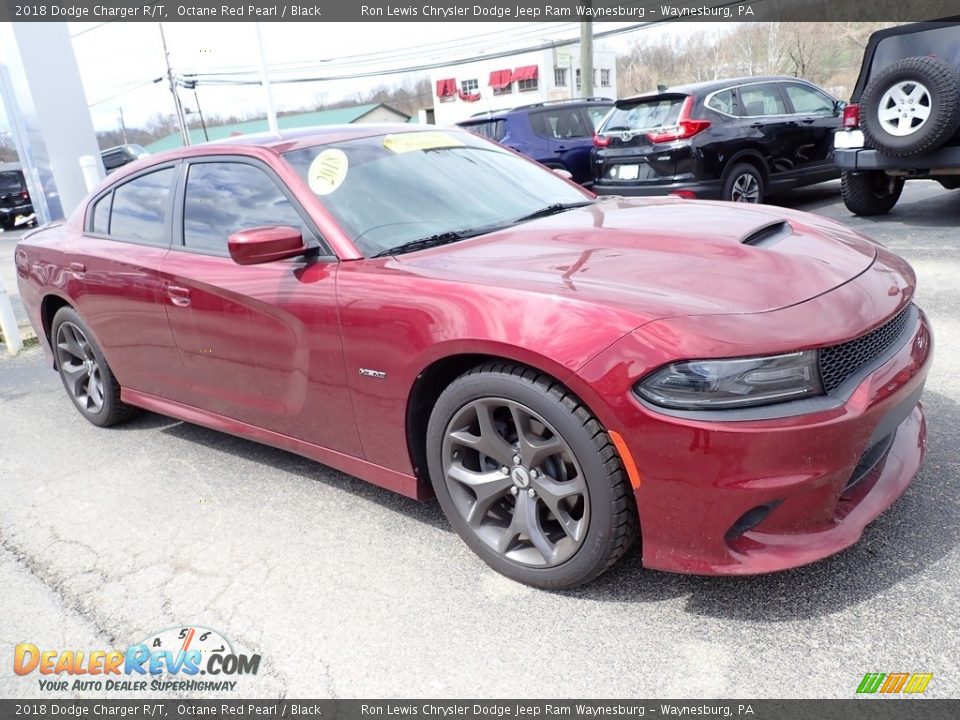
662	257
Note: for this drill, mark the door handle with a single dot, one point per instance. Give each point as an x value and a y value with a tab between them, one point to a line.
809	121
179	295
560	149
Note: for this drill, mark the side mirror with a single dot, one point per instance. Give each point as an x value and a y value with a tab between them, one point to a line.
565	174
265	244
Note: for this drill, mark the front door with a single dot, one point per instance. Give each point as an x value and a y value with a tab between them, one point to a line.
261	343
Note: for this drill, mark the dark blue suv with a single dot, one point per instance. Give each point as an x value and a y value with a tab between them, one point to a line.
558	134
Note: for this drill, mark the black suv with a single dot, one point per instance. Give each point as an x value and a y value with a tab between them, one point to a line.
740	139
15	206
903	118
558	134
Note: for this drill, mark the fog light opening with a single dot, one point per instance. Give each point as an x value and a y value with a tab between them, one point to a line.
749	520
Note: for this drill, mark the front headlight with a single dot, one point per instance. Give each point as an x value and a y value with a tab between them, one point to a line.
735	383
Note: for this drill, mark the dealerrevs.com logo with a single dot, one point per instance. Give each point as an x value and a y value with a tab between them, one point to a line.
170	660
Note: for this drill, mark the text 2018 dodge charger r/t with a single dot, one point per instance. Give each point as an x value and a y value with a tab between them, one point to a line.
736	385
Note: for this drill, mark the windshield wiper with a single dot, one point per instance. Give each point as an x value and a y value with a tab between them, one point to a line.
432	241
552	210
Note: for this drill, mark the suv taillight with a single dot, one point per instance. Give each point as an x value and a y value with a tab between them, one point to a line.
685	128
25	195
851	116
600	141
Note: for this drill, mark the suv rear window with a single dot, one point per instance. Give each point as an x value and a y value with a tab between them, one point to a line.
490	129
654	112
11	182
940	43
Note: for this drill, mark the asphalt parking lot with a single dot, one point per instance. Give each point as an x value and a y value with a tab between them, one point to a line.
347	590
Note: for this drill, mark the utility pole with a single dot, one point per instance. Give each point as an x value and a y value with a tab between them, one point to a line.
586	54
265	81
192	85
184	132
123	127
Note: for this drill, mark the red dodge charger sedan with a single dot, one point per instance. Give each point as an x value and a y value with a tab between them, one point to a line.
735	386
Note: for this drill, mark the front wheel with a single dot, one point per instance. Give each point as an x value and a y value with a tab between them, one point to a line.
528	477
744	183
870	192
83	369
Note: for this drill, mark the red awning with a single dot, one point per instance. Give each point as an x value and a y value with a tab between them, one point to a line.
500	79
446	88
527	72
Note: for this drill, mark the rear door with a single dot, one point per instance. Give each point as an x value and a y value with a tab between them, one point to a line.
261	343
817	118
567	135
768	123
116	282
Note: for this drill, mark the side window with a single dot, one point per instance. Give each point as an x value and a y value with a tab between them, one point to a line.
724	101
560	123
491	129
597	113
101	215
758	100
808	101
225	197
140	208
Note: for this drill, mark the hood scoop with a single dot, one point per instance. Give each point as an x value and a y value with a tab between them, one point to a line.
768	235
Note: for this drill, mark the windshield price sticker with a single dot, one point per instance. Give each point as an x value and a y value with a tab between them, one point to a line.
408	142
327	171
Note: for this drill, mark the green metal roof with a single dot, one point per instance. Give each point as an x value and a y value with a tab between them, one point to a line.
337	116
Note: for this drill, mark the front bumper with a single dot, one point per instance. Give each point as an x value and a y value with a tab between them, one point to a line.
699	479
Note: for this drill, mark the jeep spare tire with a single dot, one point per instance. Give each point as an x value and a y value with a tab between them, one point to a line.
911	107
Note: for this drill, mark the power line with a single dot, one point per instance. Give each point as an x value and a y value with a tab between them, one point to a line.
217	79
126	90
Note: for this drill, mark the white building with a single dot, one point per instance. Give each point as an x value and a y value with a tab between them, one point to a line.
460	91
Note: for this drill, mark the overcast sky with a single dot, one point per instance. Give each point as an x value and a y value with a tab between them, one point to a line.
119	61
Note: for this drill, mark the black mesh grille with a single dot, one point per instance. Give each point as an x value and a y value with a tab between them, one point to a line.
839	362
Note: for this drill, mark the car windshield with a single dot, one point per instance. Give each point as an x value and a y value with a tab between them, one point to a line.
389	190
648	114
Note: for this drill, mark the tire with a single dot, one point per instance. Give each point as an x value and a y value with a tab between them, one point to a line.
743	183
870	193
911	107
86	376
551	517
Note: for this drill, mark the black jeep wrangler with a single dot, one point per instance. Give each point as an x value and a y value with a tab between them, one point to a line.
903	118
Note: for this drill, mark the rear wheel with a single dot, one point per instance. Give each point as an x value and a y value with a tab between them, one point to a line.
84	371
744	183
870	192
528	477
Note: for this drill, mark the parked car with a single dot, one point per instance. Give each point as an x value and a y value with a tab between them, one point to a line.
557	134
117	157
16	209
903	118
739	388
741	140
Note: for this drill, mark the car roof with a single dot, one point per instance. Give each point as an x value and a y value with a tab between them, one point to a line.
295	139
495	114
709	86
